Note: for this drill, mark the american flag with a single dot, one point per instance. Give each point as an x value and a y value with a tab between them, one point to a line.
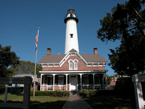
36	42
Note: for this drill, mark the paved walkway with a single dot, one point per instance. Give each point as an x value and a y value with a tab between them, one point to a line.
76	102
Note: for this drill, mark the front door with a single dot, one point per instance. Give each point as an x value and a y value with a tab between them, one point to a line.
73	83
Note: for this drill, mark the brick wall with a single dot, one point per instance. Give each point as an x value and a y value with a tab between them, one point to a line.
65	66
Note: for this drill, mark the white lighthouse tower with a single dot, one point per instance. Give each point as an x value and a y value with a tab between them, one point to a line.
71	37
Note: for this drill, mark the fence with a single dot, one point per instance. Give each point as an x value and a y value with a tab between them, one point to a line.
26	97
137	79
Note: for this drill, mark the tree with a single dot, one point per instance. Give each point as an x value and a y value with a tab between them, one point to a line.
111	31
131	51
109	79
8	58
38	68
27	67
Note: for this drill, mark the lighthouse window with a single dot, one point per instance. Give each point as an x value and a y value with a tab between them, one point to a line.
71	35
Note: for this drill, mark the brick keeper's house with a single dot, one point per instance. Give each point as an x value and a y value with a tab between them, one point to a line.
72	71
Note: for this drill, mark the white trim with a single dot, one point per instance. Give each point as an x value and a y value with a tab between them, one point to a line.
68	71
70	61
94	65
64	59
76	65
53	80
43	81
98	62
81	80
68	55
81	58
66	81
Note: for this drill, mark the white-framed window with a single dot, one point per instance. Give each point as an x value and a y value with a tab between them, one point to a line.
75	65
70	65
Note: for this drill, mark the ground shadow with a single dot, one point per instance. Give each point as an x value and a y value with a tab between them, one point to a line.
109	101
39	105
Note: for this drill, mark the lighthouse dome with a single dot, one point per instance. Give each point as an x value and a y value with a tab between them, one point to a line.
70	15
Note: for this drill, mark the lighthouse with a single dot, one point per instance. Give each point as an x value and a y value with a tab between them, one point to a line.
71	37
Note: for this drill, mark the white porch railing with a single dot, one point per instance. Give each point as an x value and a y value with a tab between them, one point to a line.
42	88
50	87
60	86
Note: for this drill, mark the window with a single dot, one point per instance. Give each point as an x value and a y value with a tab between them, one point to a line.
60	80
75	65
97	79
85	79
70	65
49	78
71	35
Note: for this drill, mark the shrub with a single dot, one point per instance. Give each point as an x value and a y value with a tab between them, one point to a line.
65	93
87	92
92	92
2	88
59	93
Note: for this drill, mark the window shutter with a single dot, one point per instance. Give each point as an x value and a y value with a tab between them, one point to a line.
78	79
56	79
82	80
64	79
42	80
90	79
48	80
100	79
52	80
68	79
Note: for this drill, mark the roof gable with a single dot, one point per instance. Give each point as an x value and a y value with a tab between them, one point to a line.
72	50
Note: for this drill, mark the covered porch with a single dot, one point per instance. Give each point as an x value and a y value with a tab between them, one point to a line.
72	80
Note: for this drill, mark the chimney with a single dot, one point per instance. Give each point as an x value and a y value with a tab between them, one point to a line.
95	51
48	51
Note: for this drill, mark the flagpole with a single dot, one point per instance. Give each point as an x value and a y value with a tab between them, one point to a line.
35	65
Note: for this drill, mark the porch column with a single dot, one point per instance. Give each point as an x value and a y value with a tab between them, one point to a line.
103	81
66	81
93	81
81	80
106	80
53	80
41	82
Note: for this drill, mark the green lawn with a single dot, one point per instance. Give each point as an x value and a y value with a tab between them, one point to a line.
38	102
110	101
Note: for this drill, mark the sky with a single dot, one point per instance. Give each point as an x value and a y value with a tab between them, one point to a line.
20	19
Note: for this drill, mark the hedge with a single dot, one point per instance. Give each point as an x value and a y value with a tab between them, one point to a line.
87	92
50	93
